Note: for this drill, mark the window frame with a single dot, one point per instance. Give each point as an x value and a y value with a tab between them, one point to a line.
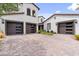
48	26
33	13
28	11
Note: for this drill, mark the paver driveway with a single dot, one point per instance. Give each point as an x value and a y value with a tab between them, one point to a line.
38	45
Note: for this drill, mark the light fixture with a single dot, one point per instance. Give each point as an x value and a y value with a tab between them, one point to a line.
54	17
2	21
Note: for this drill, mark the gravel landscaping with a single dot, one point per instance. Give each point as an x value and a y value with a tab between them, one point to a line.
39	45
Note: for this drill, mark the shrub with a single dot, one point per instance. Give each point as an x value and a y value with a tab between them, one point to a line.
77	37
47	31
44	30
52	32
1	35
39	31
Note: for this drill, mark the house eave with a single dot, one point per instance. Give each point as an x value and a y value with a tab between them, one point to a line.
60	14
36	6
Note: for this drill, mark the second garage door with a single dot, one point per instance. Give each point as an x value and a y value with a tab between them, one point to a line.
13	28
30	28
66	27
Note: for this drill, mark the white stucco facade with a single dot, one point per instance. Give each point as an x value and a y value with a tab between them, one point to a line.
21	17
54	19
41	19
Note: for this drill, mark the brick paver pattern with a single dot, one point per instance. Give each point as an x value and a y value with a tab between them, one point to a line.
39	45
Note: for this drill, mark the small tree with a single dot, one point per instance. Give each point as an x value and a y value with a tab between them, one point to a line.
8	7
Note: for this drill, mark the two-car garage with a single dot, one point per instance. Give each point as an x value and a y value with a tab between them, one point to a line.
13	28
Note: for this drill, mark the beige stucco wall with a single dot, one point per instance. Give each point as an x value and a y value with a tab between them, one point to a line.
39	19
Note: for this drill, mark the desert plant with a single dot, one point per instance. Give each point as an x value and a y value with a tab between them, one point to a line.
77	37
1	35
1	38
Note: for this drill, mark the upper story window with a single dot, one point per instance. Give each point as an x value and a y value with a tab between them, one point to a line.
33	13
41	20
28	11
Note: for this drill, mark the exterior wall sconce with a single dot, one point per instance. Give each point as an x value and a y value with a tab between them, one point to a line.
3	21
54	17
75	21
56	23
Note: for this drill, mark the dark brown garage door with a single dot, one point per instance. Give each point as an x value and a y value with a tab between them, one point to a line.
14	28
30	28
66	28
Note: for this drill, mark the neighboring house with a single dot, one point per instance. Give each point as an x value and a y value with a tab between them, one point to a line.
40	22
63	23
23	21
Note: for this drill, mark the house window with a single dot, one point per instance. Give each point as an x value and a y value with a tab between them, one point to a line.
48	26
33	13
28	11
41	20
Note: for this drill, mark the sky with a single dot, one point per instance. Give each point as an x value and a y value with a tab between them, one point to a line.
47	9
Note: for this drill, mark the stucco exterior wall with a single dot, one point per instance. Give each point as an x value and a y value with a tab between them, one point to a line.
21	17
39	19
60	18
77	27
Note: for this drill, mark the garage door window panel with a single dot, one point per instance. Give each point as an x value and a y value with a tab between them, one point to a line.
30	28
66	27
28	12
13	28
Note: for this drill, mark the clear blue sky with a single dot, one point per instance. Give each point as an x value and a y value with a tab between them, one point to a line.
47	9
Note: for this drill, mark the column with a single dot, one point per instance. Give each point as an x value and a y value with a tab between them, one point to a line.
24	28
37	28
